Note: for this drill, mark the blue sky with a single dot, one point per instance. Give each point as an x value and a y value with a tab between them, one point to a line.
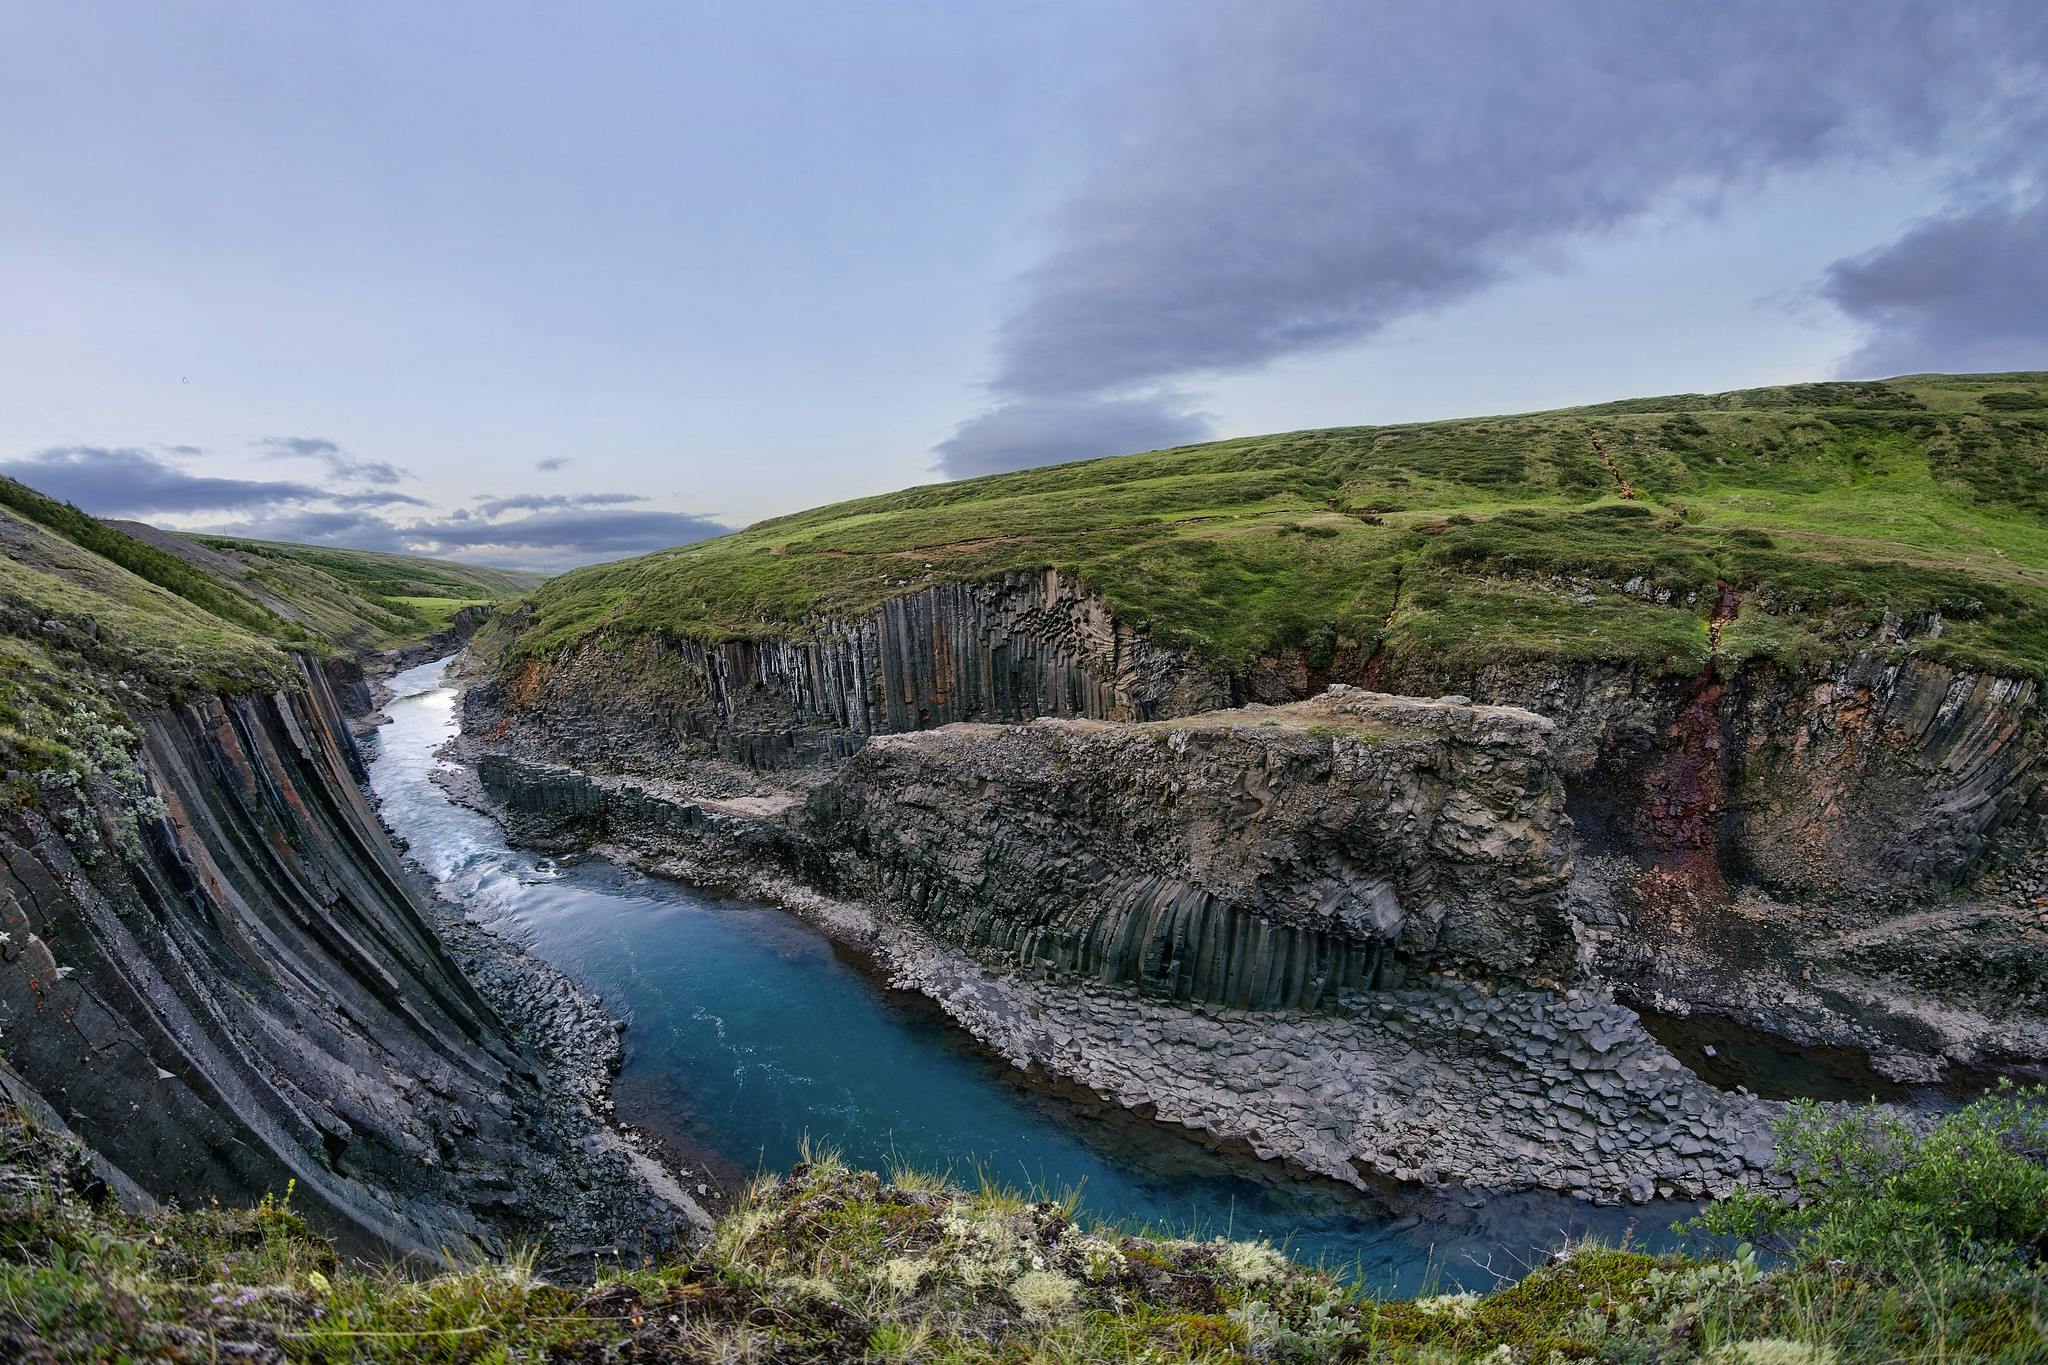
537	284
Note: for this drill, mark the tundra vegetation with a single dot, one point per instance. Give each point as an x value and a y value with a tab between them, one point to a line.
1898	1242
1602	533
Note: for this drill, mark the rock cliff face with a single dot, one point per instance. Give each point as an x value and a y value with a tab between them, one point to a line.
218	973
1268	857
1878	777
1785	847
1021	646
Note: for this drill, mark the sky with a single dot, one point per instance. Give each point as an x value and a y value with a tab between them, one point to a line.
539	285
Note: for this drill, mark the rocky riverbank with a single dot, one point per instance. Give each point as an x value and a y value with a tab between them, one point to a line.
1398	1073
614	1195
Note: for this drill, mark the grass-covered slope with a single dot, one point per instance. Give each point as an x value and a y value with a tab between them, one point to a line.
358	598
95	618
1904	1247
1600	532
374	573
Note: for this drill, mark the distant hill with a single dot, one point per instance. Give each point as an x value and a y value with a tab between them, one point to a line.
1603	532
358	597
92	611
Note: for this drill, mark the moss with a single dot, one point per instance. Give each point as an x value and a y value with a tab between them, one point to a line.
833	1264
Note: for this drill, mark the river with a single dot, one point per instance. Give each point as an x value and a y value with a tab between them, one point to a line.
749	1032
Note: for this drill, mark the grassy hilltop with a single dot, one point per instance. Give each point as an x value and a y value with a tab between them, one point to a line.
1600	532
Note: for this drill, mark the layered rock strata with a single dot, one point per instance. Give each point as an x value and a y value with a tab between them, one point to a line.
218	973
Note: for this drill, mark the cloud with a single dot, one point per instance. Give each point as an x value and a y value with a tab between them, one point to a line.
385	498
1036	431
494	507
125	482
1964	291
549	541
339	462
587	535
352	530
553	462
1303	174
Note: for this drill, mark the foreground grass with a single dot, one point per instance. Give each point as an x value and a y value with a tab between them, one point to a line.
1945	1234
1593	533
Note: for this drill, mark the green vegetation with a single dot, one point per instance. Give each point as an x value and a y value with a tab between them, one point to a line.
146	562
375	574
96	618
439	612
1899	1246
78	631
1601	532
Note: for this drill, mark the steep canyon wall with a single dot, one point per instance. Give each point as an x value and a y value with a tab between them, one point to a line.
218	973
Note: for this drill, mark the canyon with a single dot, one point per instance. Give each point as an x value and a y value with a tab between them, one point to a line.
1378	935
1376	803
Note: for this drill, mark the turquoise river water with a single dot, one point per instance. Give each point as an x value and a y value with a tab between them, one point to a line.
749	1031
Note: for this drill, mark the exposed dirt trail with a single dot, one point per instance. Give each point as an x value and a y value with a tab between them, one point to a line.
1627	489
1726	604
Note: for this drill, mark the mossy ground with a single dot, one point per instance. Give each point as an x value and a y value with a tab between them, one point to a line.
831	1264
1599	532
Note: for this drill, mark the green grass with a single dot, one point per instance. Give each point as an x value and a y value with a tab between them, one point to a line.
1824	504
94	621
377	574
439	612
832	1264
146	562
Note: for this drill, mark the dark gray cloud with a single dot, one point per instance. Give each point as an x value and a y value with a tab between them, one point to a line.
534	502
1300	174
548	541
125	482
379	498
580	534
558	531
553	462
1965	291
1036	431
339	462
353	530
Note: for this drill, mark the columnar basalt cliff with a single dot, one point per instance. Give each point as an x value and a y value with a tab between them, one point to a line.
1268	857
1731	840
1881	775
1020	646
219	974
1732	748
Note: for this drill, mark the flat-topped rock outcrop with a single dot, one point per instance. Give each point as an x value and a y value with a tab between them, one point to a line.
1268	856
